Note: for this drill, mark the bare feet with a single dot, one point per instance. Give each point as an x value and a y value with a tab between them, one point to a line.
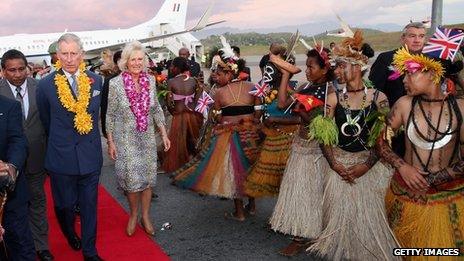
294	248
250	209
234	216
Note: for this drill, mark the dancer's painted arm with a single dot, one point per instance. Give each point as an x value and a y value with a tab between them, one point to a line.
409	173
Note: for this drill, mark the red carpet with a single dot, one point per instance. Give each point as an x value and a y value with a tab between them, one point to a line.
112	242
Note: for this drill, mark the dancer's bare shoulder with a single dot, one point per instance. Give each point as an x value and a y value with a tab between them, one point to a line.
399	112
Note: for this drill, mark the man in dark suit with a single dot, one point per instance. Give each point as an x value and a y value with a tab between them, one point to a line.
17	86
13	153
413	36
74	153
194	66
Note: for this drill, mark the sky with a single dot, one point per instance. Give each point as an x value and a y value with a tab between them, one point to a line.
45	16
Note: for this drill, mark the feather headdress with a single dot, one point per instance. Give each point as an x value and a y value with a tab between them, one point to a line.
404	61
322	53
350	50
228	60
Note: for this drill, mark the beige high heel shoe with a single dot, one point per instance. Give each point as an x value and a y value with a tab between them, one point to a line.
130	229
150	232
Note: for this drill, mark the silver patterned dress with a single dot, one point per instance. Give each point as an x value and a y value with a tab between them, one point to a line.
136	156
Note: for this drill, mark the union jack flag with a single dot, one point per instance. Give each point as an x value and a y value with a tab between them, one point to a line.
204	102
444	43
260	89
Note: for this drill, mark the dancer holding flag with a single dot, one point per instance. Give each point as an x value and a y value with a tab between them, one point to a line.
221	169
425	201
279	127
186	122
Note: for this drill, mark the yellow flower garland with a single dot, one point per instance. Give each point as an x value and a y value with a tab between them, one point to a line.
82	119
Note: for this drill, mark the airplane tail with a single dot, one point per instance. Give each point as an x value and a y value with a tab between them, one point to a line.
172	12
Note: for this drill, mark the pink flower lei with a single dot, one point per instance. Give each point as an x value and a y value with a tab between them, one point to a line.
139	101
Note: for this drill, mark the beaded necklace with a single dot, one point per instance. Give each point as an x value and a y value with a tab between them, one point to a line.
436	139
350	121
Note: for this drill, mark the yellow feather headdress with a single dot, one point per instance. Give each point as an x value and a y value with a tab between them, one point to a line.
404	61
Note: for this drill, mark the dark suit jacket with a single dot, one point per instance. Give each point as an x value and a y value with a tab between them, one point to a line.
13	147
32	126
68	152
379	76
104	102
194	68
392	89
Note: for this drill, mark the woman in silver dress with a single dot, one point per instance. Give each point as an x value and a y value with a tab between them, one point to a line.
133	111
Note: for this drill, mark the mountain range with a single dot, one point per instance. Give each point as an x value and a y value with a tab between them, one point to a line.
307	29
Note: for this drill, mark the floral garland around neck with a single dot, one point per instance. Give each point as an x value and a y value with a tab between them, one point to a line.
139	100
82	119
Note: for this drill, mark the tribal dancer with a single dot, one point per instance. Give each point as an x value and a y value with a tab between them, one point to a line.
186	122
298	211
221	169
425	201
355	225
279	127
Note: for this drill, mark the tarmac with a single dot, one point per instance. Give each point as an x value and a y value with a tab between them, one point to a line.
199	230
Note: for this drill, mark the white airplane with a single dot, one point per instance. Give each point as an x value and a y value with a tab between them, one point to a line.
166	29
346	30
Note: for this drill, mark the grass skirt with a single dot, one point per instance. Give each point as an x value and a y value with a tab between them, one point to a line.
221	169
266	175
355	223
298	211
433	219
183	134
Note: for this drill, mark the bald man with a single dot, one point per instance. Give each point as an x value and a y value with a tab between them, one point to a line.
194	66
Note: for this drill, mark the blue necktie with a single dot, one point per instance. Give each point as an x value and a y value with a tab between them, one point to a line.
74	85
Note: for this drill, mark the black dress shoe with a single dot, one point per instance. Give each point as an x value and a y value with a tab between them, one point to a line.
92	258
74	242
44	255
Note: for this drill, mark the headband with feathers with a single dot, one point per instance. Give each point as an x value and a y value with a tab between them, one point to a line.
228	60
350	50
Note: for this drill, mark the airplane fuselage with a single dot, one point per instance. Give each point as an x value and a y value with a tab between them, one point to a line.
35	46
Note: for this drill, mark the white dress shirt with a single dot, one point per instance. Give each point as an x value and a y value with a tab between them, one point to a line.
69	77
24	93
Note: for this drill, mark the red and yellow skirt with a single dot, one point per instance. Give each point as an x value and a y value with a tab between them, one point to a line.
266	175
434	219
